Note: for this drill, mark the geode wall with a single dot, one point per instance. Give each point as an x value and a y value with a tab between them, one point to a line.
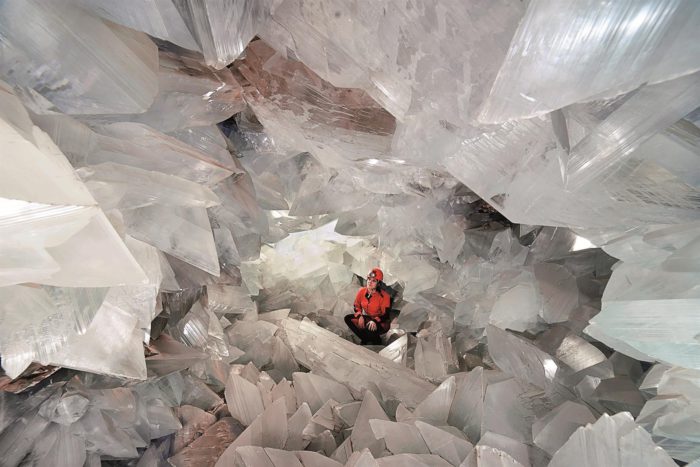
192	191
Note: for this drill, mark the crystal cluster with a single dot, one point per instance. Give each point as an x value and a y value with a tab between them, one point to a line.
192	192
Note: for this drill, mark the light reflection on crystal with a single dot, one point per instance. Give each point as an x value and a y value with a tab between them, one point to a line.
188	208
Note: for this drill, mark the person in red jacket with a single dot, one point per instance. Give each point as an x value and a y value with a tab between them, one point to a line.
369	321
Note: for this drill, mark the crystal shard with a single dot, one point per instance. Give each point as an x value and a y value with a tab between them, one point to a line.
628	126
316	390
551	431
259	457
269	429
207	449
611	441
243	399
72	239
452	448
559	290
296	424
635	36
518	451
436	407
671	417
486	456
93	78
112	344
467	407
222	29
314	459
135	145
344	124
399	437
516	309
189	95
672	341
159	19
362	436
194	421
505	412
358	368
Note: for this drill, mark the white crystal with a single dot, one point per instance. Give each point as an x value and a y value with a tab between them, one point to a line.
550	432
358	368
93	77
243	399
536	78
611	441
269	429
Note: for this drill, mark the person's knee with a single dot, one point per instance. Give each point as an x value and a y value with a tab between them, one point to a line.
348	319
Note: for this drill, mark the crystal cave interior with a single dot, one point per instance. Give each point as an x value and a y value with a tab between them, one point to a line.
193	191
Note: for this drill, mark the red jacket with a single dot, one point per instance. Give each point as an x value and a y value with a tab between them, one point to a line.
375	307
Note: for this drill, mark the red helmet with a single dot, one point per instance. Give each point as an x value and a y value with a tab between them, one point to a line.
376	273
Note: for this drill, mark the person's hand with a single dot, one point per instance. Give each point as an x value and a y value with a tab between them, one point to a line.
372	326
361	322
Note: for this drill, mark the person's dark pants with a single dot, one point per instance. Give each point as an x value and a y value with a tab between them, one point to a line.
365	335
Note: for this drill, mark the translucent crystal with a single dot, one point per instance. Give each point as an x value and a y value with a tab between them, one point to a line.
486	456
467	406
517	308
208	448
324	443
559	290
671	417
316	390
161	19
551	431
399	437
625	129
135	145
194	421
425	460
244	333
26	337
243	399
222	29
436	407
629	36
112	344
527	363
223	299
169	356
65	409
72	240
257	456
345	124
505	412
671	341
314	459
59	445
652	378
296	425
358	368
611	441
269	429
189	95
122	187
395	57
16	441
89	80
446	445
362	436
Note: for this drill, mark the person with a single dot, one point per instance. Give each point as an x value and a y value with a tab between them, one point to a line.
370	318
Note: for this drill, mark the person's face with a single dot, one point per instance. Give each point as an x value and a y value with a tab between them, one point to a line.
371	283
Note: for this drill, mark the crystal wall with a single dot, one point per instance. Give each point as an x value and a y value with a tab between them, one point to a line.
192	191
